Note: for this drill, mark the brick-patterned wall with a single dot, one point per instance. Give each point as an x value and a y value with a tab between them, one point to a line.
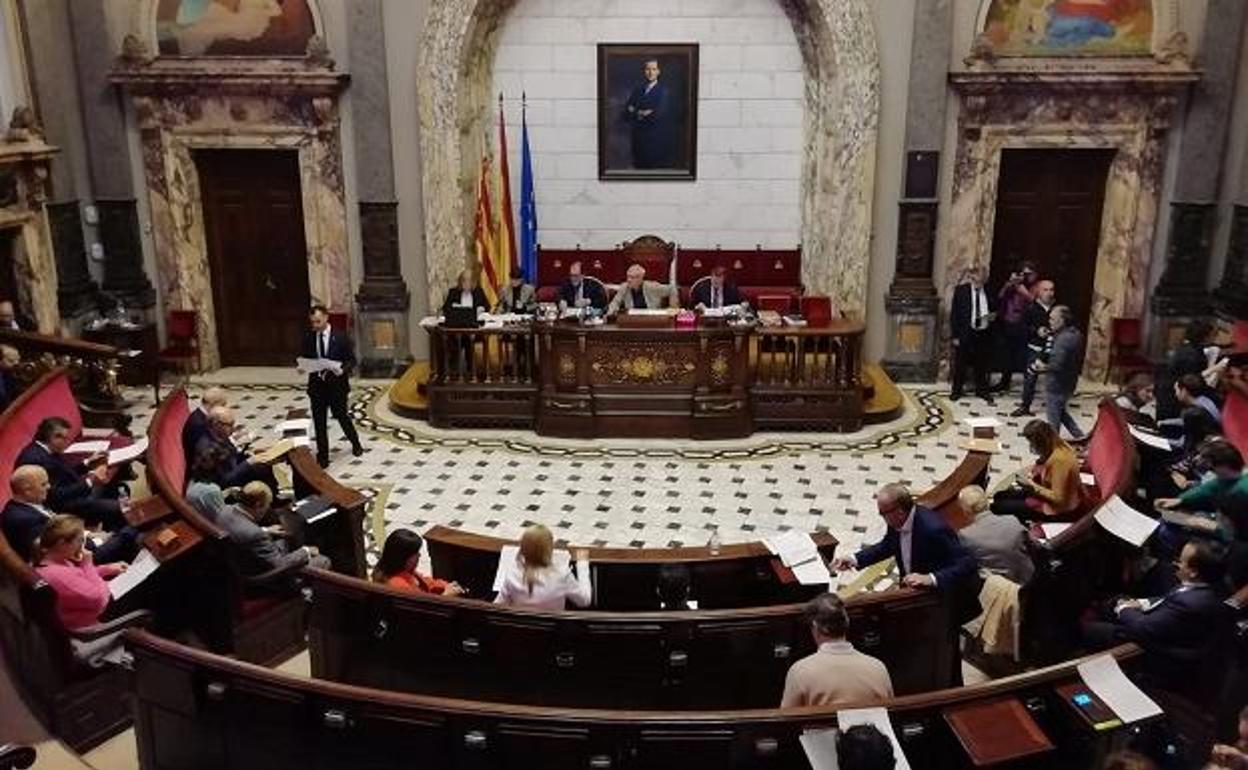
750	110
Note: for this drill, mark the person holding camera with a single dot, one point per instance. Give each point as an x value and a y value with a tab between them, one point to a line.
1013	300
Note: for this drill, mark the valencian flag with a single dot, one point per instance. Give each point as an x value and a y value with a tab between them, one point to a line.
528	203
486	248
506	243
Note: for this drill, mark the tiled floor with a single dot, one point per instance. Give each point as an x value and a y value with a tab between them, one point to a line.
630	493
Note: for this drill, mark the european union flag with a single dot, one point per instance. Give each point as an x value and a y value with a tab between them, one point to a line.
528	208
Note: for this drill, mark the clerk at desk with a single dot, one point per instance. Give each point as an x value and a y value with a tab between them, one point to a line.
715	292
465	293
517	296
637	293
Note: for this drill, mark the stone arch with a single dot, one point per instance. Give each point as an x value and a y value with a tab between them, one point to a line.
144	25
841	64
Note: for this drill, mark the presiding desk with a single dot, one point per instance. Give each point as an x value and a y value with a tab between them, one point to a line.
713	381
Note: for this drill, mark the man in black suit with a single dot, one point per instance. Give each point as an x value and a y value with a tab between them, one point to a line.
25	515
1177	630
647	111
233	467
327	390
75	489
196	426
576	292
715	292
970	318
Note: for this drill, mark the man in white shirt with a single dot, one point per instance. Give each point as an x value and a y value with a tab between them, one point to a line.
836	673
970	320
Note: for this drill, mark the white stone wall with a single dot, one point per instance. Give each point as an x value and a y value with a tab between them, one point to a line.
750	111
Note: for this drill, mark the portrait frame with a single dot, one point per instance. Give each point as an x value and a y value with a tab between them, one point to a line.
634	144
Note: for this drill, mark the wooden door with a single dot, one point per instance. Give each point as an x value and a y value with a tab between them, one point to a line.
253	220
1049	213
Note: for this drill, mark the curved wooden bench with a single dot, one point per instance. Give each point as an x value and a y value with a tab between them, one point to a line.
364	633
198	710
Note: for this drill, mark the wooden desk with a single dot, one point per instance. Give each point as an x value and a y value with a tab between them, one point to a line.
713	382
140	369
186	538
145	511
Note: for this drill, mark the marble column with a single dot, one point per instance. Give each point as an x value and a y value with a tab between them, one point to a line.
383	300
54	85
1182	292
912	303
108	155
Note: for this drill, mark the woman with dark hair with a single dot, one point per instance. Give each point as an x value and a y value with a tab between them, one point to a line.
397	567
1052	489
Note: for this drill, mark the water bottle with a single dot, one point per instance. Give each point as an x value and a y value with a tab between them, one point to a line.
714	542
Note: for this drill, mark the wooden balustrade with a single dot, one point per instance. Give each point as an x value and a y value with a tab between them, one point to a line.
92	370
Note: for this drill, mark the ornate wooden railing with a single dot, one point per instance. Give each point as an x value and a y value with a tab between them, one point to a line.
92	369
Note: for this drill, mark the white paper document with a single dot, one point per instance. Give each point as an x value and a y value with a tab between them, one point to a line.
1124	521
87	447
1150	439
314	365
560	560
95	433
430	321
879	718
143	565
982	422
1087	479
1053	529
820	748
794	548
127	453
1103	677
302	424
812	573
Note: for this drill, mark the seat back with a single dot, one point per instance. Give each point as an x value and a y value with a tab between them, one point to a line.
183	326
1126	333
1105	455
780	303
50	396
817	310
1235	420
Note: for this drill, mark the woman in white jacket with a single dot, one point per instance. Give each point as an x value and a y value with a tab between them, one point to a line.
533	581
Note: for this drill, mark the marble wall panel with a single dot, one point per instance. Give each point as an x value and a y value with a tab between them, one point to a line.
841	64
1130	120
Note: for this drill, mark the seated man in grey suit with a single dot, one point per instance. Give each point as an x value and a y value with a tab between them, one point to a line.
998	543
517	296
255	549
637	293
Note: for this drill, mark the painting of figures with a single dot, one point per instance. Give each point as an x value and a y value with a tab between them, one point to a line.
1070	27
234	27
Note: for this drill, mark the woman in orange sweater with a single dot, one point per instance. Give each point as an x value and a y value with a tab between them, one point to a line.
397	567
1052	490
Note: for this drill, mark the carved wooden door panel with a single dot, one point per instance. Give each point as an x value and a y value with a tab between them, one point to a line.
253	223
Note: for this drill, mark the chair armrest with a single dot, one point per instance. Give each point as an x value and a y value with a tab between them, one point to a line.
138	618
273	575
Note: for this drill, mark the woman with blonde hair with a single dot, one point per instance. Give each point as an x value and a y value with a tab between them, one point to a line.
81	593
534	580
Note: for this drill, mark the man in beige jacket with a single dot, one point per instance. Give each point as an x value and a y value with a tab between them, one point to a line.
836	673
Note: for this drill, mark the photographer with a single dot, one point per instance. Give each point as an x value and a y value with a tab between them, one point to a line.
1013	300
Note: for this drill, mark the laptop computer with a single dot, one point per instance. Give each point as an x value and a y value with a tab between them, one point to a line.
460	317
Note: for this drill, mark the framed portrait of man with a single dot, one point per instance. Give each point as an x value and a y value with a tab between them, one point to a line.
647	111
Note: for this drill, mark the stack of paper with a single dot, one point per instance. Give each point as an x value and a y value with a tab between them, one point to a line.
1103	677
982	422
314	365
820	745
1124	521
798	552
87	447
127	453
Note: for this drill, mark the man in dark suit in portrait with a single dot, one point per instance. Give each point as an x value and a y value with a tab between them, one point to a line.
326	390
648	113
576	292
970	320
715	292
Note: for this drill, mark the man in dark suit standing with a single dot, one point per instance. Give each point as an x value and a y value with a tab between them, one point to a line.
327	390
715	292
576	292
75	489
647	111
970	318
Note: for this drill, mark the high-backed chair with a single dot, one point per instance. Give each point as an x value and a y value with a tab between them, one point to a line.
1126	340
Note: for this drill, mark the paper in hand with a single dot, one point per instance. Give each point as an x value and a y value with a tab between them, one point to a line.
314	365
143	565
1124	521
127	453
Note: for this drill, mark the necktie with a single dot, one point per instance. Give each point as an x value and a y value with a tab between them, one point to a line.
974	308
715	300
320	344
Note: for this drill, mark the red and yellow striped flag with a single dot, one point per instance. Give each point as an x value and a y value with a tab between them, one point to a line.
486	247
506	223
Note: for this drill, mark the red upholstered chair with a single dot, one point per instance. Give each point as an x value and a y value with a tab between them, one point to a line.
817	310
1235	419
1126	338
781	303
182	335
